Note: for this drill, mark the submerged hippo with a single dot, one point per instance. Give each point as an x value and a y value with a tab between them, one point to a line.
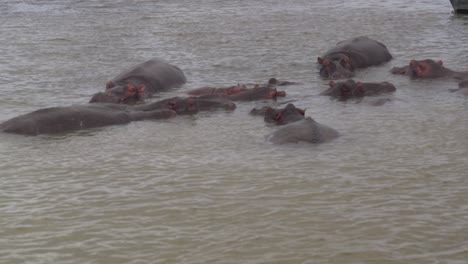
190	105
76	117
220	90
306	130
428	69
146	78
342	60
281	116
259	93
352	89
272	82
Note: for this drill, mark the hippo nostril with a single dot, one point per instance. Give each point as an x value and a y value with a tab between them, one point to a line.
277	116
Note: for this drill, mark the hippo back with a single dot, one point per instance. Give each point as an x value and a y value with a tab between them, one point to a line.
156	74
62	119
363	51
307	130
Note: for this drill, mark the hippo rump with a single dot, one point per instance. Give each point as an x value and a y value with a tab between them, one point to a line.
428	69
305	130
352	89
77	117
361	52
141	81
280	116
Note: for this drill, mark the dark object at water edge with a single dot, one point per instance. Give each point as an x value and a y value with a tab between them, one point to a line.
460	6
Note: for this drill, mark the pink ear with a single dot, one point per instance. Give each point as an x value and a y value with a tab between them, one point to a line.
346	59
331	83
324	62
141	88
440	62
109	84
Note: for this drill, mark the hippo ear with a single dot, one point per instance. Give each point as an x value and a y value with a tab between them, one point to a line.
141	89
331	83
109	84
345	61
322	61
440	62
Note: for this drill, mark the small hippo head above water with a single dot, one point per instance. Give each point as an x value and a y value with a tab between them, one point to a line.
426	69
127	94
345	90
423	69
337	68
283	116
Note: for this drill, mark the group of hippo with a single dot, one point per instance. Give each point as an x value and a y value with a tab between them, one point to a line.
124	98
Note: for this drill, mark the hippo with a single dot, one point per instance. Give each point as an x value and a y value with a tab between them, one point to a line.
190	105
221	90
55	120
272	82
360	52
259	93
141	81
306	130
213	102
127	94
352	89
428	69
281	116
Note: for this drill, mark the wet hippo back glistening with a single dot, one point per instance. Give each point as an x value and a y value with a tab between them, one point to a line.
349	55
143	79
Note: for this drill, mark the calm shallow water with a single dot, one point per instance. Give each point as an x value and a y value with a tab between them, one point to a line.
208	188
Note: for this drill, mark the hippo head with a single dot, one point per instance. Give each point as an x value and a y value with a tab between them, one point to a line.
338	68
127	94
182	106
284	116
426	69
345	90
258	93
269	92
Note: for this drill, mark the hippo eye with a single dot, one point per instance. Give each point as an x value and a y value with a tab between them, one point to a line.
171	106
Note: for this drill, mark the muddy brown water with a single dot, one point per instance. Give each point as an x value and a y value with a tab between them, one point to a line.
209	188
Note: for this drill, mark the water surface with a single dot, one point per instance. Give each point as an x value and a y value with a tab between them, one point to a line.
209	188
